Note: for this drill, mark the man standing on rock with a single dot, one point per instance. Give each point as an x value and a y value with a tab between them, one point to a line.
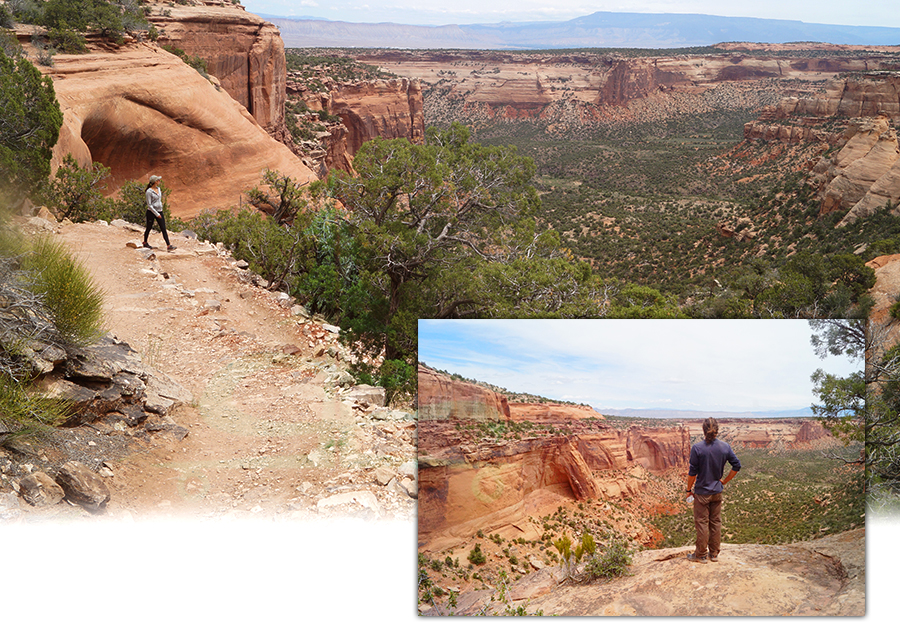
705	484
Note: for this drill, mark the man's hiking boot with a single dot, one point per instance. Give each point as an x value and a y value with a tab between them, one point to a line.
694	558
713	558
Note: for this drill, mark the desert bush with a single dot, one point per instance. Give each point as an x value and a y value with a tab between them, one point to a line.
74	302
6	17
25	11
192	61
75	192
279	254
67	41
23	413
476	556
611	563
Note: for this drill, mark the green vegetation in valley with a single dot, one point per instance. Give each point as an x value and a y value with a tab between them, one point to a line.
781	497
678	202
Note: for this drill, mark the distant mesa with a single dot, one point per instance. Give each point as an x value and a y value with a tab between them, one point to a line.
600	29
677	414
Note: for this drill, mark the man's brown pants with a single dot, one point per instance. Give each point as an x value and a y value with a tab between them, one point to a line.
708	524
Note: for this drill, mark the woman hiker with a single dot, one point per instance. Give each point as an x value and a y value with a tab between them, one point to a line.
155	212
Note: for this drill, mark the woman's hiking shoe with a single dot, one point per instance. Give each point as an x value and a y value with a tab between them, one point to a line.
170	248
694	558
147	245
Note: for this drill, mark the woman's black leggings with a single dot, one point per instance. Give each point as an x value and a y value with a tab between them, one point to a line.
162	226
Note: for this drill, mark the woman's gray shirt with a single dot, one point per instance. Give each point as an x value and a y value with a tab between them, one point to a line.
154	201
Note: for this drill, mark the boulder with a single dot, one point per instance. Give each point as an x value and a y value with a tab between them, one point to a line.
82	486
365	394
39	490
384	475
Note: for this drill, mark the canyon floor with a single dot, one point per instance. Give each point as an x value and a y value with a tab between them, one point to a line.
267	434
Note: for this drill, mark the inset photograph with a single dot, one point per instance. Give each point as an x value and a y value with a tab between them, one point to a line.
619	467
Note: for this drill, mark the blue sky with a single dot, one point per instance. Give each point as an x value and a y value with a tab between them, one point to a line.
881	13
702	365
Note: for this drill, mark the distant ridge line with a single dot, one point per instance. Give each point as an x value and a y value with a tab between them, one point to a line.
675	414
597	30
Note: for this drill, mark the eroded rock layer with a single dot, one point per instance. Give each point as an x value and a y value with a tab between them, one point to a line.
522	412
242	50
461	483
441	397
864	175
523	85
367	109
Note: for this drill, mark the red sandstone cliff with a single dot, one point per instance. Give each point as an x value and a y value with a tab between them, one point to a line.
461	480
864	175
242	50
462	484
526	412
887	285
787	433
368	109
443	398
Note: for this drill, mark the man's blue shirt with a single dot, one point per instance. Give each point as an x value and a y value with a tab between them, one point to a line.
708	464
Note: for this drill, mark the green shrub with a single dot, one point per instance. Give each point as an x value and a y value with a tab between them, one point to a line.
612	563
24	414
25	11
74	302
67	41
6	17
476	556
398	379
193	61
895	310
31	122
75	192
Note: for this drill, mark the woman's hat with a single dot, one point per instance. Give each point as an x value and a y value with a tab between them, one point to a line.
154	178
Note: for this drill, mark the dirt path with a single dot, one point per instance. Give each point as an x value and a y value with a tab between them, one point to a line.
268	433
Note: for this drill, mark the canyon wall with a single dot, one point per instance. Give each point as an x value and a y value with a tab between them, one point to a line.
462	484
368	109
884	292
243	51
523	85
379	109
444	398
462	481
526	412
787	433
857	114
